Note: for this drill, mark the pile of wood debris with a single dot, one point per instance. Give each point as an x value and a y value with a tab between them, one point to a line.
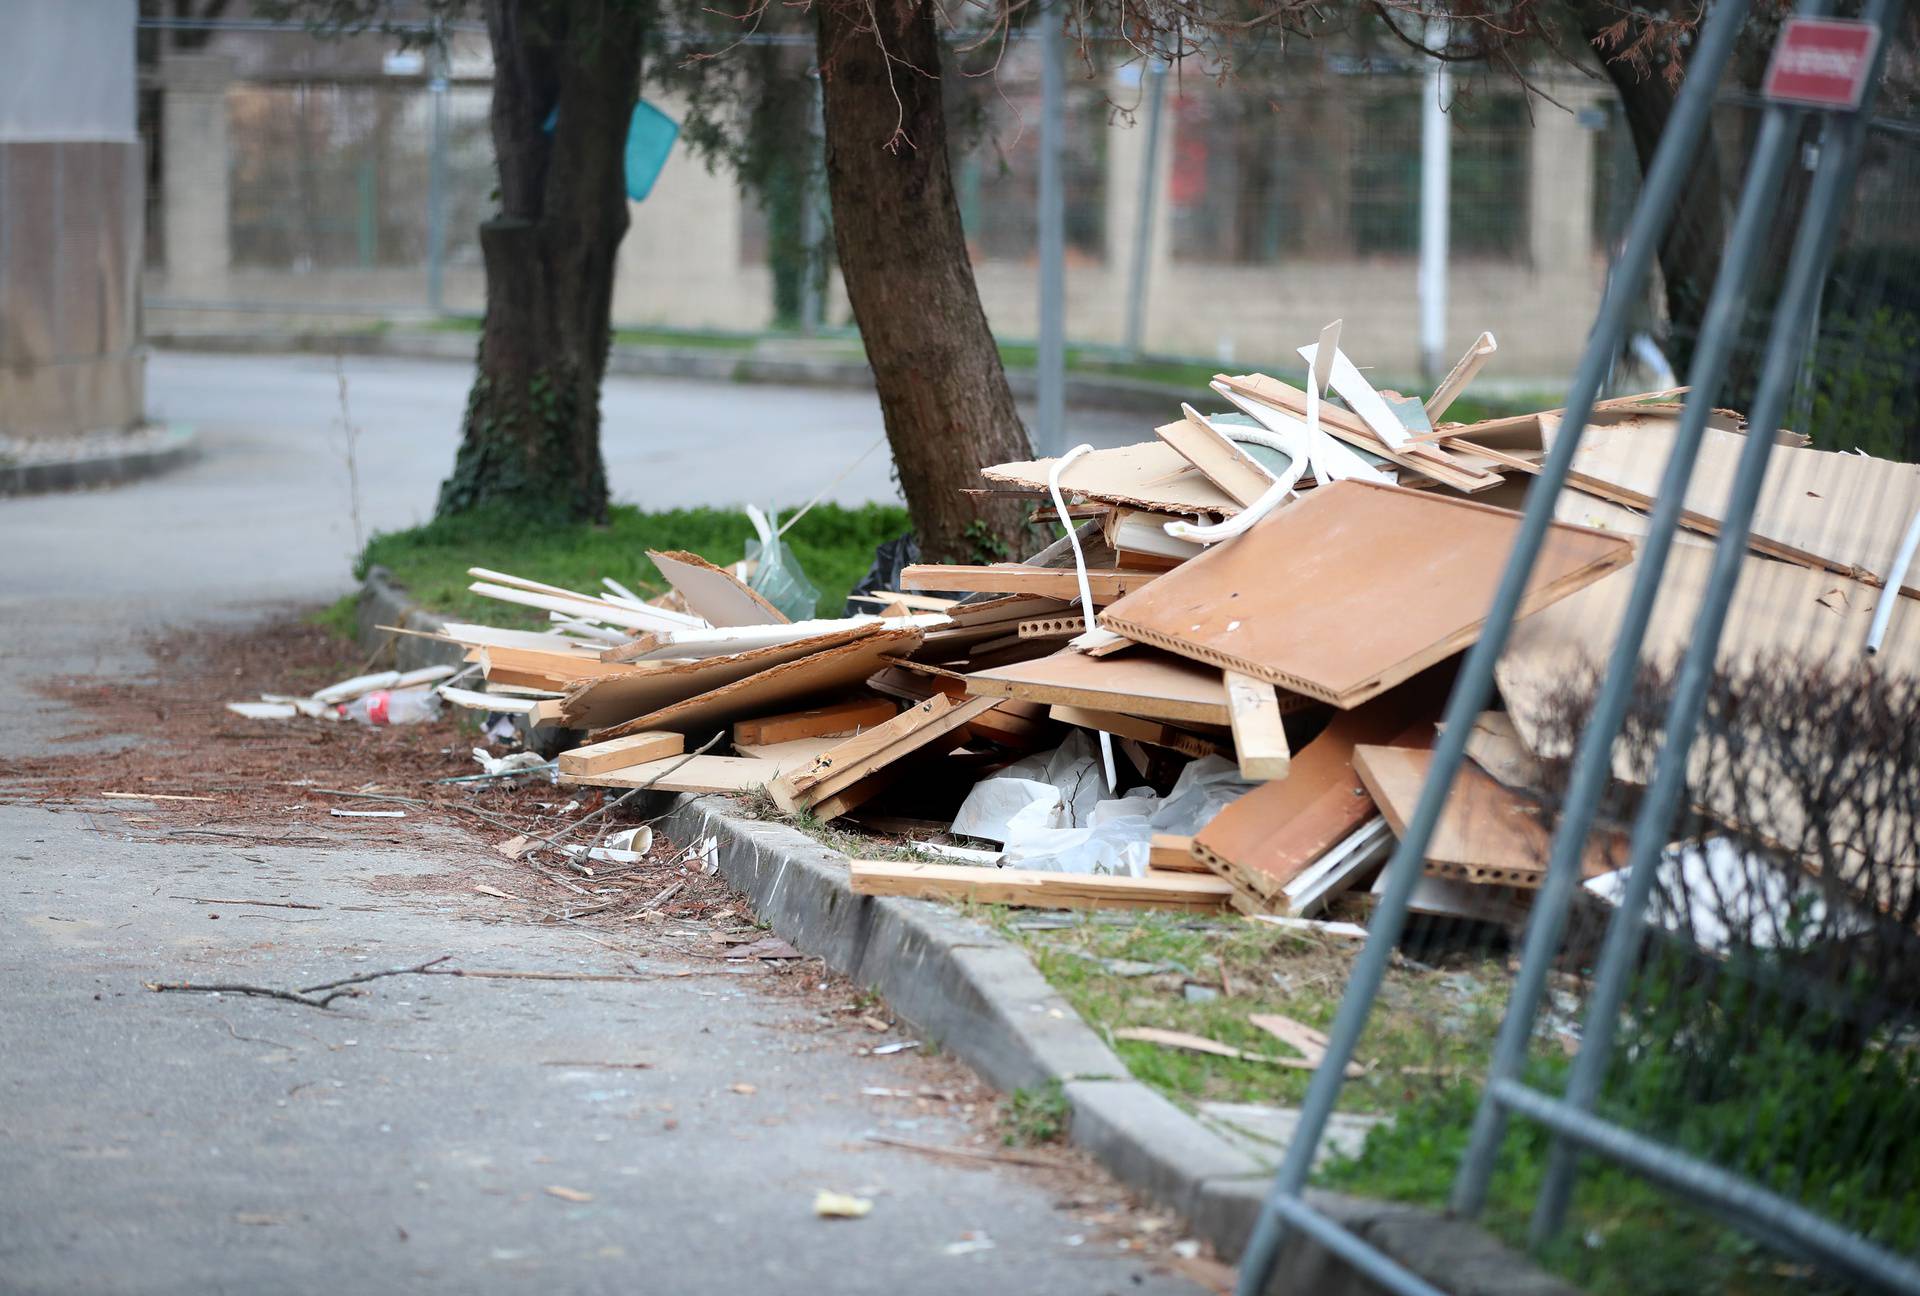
1255	620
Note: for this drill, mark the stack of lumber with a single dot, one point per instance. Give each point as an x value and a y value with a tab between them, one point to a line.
1313	648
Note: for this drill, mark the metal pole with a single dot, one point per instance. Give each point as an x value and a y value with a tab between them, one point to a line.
1593	759
437	182
1435	186
1806	273
812	228
1051	361
1156	93
1669	170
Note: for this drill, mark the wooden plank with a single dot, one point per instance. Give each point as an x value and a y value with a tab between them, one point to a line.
1382	582
1486	833
1265	839
850	752
528	668
1036	888
1152	684
732	640
1225	464
714	592
574	605
1173	853
937	720
1148	475
617	753
1015	578
1462	373
1154	733
1843	513
1259	739
698	774
1529	424
792	674
836	718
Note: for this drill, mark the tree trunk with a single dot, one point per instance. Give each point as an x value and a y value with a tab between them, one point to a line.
532	433
1690	252
903	257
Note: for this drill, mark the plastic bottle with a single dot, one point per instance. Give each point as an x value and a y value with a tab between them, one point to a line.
393	706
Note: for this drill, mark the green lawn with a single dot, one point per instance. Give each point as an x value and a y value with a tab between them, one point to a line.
834	545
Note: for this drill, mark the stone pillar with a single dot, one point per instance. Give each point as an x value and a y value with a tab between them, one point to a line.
196	170
1560	190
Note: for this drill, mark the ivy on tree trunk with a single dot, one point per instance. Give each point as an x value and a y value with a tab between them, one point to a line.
903	258
566	76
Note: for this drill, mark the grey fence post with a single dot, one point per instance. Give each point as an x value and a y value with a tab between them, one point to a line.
437	180
1154	85
1806	273
1667	173
1051	361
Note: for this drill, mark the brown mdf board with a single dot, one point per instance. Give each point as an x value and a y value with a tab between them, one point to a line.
714	592
1105	585
1154	733
632	688
1173	853
835	718
529	668
1486	834
1381	582
1225	464
686	774
775	678
1005	609
1845	513
636	749
1148	475
1035	888
1146	683
1267	838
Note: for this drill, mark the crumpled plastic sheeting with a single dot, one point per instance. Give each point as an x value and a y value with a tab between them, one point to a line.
1048	811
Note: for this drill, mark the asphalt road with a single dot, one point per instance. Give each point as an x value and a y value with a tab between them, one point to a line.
157	1143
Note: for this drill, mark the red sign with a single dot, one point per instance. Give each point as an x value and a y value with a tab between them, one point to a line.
1824	62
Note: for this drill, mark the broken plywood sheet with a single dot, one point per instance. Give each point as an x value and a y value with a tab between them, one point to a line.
1149	475
714	592
1038	888
646	686
799	679
1267	838
1842	512
1486	833
1151	684
1381	582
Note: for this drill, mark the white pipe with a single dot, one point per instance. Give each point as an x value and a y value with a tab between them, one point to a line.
1080	572
1890	593
1435	186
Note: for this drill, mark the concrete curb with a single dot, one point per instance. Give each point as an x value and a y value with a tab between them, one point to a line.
976	994
704	364
98	470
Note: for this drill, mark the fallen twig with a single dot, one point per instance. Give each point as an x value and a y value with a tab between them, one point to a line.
964	1154
305	996
611	1066
271	904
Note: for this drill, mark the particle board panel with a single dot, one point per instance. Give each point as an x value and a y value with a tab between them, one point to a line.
1151	684
1381	582
1267	838
1845	513
1148	475
714	592
1486	834
1036	888
685	774
778	677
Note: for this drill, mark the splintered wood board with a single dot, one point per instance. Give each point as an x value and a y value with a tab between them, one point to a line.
1486	834
844	774
1380	582
646	686
714	592
1225	464
1017	578
835	718
535	668
1155	733
1845	513
805	679
637	749
1037	888
697	774
1148	475
1148	684
1267	838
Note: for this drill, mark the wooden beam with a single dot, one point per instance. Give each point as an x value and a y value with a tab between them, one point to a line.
1038	888
1154	733
618	753
1259	739
696	774
1174	854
